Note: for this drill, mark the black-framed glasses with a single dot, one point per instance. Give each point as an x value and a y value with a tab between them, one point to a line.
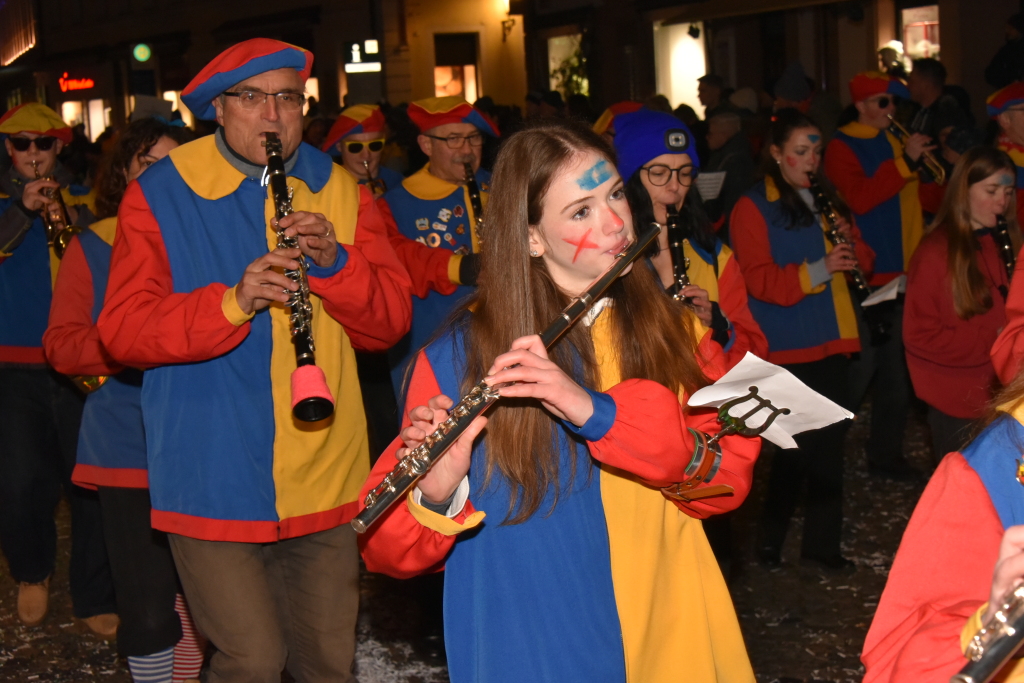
43	143
659	174
357	147
250	99
456	141
883	102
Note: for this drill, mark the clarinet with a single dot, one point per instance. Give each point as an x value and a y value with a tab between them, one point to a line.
1005	244
474	199
680	263
996	642
311	397
414	465
861	290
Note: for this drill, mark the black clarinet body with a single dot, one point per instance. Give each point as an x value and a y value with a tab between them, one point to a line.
860	288
1005	244
311	397
474	199
680	264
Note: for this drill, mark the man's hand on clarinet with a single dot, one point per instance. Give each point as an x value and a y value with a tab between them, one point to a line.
444	476
260	285
317	239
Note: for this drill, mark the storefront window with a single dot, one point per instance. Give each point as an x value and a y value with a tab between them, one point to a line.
71	112
455	58
921	31
567	67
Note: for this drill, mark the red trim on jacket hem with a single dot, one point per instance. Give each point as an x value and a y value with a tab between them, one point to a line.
242	531
93	476
22	354
815	352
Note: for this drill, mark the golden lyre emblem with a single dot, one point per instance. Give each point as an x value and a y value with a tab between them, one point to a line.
1020	472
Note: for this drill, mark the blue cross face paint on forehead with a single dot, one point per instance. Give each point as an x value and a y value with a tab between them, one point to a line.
595	175
1006	179
814	138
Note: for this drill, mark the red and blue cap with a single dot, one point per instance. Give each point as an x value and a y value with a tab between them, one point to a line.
1004	98
437	111
237	63
645	134
869	83
606	122
33	117
362	118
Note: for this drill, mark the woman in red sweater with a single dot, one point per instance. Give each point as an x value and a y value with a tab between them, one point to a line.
956	295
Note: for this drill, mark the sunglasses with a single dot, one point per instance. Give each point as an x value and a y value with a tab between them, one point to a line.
357	147
43	143
883	102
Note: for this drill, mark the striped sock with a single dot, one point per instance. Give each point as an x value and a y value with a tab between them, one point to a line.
188	653
155	668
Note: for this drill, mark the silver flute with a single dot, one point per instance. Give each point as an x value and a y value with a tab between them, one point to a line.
414	465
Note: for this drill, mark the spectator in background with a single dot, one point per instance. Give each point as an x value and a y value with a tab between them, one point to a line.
316	132
686	114
960	140
1007	65
709	91
577	107
552	105
533	101
939	111
794	89
658	103
730	154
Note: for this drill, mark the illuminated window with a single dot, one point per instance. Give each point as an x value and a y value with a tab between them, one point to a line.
97	119
174	97
17	29
71	112
455	65
679	61
567	67
921	31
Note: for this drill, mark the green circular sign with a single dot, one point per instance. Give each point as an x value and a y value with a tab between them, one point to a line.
142	52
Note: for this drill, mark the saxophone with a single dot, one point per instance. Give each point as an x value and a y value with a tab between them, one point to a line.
474	199
414	465
58	235
311	397
861	290
1005	244
59	230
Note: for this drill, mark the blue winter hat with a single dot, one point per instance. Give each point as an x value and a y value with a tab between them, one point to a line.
644	134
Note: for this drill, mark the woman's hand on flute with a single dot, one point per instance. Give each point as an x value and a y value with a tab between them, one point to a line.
535	376
1009	571
444	476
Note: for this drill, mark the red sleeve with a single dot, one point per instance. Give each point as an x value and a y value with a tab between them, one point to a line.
369	296
861	192
765	279
1008	350
398	545
428	268
931	328
732	297
144	323
629	446
941	576
71	341
930	195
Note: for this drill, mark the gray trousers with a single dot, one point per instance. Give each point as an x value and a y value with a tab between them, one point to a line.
265	606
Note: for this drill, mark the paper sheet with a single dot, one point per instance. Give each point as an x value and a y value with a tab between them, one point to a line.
888	292
710	184
808	409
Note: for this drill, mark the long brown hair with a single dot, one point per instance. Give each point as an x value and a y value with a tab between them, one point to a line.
517	297
971	294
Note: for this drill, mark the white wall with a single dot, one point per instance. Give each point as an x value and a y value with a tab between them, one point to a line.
679	60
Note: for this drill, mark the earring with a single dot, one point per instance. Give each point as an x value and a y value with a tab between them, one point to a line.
778	162
533	252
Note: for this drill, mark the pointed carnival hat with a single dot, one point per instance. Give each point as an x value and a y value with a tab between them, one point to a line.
362	118
869	83
33	117
606	122
1004	98
437	111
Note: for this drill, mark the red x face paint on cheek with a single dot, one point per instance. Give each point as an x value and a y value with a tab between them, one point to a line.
582	244
792	161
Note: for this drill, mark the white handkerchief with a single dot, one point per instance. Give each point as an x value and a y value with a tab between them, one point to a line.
807	408
888	292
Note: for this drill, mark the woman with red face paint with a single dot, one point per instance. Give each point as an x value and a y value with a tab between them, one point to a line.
658	161
800	298
585	571
956	294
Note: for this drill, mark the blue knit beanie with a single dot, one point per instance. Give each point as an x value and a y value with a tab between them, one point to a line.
644	134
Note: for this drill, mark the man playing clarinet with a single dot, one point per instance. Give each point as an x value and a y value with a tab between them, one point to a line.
255	503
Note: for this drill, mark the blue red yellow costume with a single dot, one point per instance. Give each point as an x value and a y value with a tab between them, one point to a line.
1008	349
362	118
607	583
869	170
1012	96
217	379
434	225
940	581
112	440
803	322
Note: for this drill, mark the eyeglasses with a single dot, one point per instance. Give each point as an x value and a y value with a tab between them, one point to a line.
357	147
883	102
660	174
250	99
43	143
456	141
